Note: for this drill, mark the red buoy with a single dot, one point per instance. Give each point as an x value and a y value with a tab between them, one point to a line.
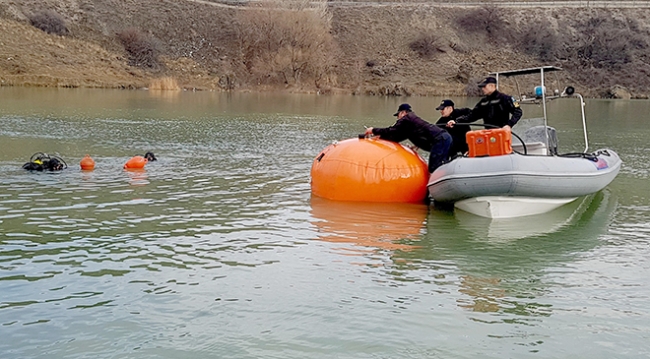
135	162
87	163
369	170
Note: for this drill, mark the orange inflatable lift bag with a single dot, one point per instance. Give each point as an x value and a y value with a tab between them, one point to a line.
494	142
136	162
369	170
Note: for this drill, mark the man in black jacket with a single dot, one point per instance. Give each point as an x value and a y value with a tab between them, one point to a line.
423	134
459	132
494	108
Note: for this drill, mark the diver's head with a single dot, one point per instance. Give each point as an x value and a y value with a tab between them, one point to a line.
150	157
54	165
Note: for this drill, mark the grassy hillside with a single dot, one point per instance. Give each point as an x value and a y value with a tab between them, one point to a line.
315	46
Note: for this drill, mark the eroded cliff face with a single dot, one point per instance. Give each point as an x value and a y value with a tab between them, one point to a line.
399	49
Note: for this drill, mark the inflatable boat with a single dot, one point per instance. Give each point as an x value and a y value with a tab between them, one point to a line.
499	179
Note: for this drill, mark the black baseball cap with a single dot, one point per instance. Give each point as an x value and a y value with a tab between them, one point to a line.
488	80
403	107
445	103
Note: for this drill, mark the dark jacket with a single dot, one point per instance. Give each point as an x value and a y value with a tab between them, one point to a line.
412	128
458	132
495	109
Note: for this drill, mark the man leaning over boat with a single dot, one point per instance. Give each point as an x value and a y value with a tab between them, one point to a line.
422	133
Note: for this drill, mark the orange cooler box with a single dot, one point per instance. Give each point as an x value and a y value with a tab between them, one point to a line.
494	142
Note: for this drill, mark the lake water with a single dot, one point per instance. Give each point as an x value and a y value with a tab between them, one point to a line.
218	250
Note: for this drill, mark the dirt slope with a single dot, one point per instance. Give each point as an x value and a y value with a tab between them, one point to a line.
200	48
29	56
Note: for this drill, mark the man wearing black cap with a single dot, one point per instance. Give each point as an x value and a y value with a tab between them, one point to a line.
494	108
423	134
458	133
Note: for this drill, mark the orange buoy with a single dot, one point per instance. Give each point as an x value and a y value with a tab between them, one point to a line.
135	162
369	170
87	163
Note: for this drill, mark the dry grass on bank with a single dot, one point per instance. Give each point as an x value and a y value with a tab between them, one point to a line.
164	84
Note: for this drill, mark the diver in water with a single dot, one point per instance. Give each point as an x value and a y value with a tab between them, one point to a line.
43	162
149	156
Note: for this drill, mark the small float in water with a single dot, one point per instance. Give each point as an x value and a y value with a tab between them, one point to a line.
87	163
135	162
369	170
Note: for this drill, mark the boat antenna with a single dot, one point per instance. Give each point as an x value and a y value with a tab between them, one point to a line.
541	71
518	90
584	121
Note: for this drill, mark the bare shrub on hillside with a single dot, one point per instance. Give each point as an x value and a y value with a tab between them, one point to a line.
607	50
488	20
49	21
541	41
287	42
607	43
427	45
142	48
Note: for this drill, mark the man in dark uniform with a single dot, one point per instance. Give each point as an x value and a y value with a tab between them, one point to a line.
494	108
458	133
423	134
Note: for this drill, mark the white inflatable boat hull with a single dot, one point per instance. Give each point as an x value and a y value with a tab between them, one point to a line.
519	185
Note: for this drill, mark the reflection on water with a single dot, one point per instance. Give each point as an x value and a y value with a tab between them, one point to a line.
137	176
391	226
507	229
482	294
504	274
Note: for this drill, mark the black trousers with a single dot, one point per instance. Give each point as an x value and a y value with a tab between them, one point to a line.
439	151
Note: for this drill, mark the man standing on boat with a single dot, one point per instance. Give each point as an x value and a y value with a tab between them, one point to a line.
458	133
423	134
495	108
